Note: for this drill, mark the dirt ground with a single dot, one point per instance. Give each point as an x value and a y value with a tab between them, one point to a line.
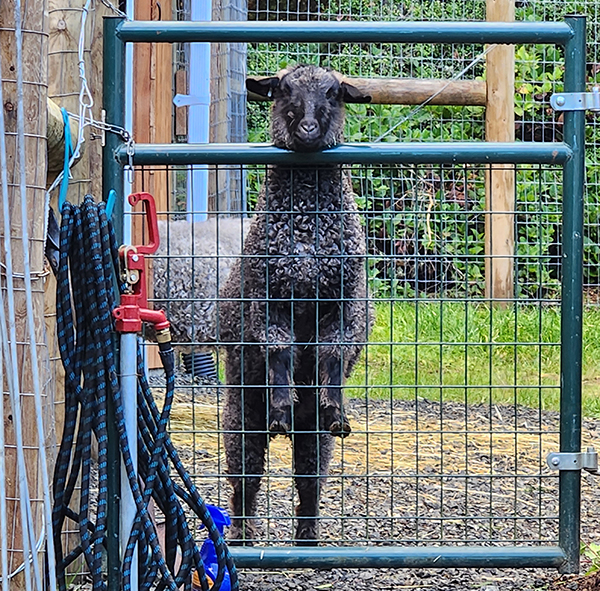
503	449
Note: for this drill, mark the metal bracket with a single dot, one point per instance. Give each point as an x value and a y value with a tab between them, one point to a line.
587	460
103	128
576	101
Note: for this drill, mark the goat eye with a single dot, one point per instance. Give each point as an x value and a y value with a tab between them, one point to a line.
332	92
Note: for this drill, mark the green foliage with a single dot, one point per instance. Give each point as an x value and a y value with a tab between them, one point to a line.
466	351
591	551
426	226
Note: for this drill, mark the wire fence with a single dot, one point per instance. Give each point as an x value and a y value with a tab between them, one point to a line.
538	74
453	403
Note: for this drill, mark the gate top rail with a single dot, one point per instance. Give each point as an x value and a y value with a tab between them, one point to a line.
344	32
363	153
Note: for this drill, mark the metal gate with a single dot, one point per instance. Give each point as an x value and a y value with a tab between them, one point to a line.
569	154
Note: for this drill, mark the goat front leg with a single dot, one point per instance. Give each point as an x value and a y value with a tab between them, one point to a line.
280	391
331	373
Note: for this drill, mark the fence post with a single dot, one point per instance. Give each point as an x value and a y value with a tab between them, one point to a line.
113	99
572	298
500	180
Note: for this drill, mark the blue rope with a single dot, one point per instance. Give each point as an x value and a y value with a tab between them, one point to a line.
89	256
64	183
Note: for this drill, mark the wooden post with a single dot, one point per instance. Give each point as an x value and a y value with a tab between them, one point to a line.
152	106
35	51
64	26
500	180
414	91
152	122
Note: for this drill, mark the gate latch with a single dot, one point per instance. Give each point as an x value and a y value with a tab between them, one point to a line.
576	101
585	460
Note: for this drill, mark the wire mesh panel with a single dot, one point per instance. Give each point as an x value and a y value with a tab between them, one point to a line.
369	282
453	401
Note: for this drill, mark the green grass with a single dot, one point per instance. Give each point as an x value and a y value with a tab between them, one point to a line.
454	351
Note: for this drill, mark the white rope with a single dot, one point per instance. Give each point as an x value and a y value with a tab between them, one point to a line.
31	322
454	78
3	354
85	116
9	339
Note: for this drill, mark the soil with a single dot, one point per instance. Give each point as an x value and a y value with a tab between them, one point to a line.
401	478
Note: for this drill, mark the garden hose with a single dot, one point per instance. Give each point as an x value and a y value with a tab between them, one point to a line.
88	265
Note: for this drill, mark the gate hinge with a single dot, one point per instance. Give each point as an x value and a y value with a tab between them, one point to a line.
576	101
585	460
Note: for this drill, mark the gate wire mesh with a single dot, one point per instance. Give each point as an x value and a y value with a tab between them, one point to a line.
538	73
453	402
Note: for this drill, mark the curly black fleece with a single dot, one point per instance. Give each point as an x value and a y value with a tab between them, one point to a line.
294	315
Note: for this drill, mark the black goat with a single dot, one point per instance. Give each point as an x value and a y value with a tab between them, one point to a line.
294	314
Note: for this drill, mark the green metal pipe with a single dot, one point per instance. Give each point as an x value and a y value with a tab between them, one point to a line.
572	297
380	153
399	557
344	32
113	99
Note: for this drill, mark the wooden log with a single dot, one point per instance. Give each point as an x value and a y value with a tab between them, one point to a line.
412	91
56	140
500	180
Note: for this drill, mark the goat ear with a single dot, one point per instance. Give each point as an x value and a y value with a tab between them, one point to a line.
351	94
262	86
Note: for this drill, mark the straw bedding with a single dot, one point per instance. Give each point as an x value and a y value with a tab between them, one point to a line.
410	473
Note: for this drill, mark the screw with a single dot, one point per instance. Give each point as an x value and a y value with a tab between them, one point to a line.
555	461
135	258
560	101
132	278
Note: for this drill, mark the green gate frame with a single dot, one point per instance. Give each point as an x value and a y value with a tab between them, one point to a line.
570	34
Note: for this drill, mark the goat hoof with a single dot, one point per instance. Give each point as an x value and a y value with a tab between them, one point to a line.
280	421
241	534
279	428
340	428
306	534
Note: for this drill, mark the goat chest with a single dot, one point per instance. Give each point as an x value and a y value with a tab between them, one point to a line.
306	221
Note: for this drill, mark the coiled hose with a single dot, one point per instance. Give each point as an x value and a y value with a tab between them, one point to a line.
88	264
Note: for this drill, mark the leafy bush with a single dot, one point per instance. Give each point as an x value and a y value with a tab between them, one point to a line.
426	225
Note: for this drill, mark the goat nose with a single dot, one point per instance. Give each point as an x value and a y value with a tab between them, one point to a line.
308	126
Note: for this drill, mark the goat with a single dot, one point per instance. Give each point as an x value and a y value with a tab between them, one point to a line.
294	314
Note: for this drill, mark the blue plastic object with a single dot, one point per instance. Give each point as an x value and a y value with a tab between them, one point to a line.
110	203
64	185
207	552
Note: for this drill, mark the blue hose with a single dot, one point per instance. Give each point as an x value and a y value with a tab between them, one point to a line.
85	300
